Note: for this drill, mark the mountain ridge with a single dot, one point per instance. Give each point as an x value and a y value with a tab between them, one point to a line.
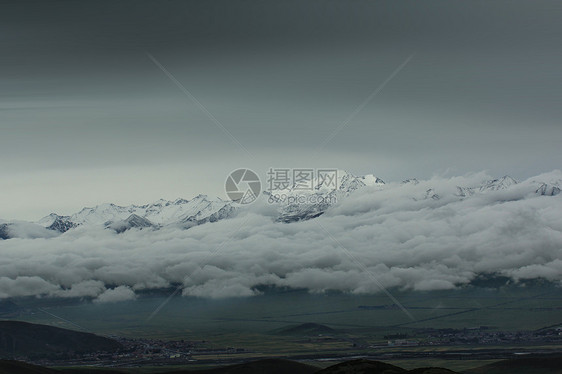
292	203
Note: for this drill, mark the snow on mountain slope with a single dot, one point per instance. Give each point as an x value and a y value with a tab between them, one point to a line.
298	204
548	184
133	221
465	191
160	213
371	180
292	204
57	223
498	184
548	190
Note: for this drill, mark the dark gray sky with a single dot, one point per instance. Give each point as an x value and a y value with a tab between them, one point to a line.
86	117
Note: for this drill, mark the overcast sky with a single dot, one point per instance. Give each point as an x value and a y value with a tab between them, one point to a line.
87	117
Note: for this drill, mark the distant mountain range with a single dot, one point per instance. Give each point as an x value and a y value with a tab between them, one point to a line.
202	209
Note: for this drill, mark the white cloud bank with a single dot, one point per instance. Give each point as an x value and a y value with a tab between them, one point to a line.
406	240
121	293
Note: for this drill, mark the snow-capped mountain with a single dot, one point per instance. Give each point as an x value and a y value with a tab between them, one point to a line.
293	204
161	212
198	210
132	222
57	223
491	185
298	203
498	184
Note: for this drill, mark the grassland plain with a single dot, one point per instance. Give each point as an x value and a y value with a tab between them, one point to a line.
506	308
360	324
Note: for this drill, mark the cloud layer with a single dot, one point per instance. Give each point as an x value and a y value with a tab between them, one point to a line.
397	235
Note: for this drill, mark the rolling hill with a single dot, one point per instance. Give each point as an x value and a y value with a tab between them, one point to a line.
32	340
523	365
305	329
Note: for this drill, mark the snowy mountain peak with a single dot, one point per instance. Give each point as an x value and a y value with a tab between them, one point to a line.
348	182
201	197
548	190
312	202
498	184
465	191
159	213
371	180
48	220
57	223
133	221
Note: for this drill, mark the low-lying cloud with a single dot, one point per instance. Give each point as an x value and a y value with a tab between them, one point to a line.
112	295
400	234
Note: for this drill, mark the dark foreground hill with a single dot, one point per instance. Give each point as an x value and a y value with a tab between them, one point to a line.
431	371
362	367
377	367
523	365
17	367
549	365
31	340
270	366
